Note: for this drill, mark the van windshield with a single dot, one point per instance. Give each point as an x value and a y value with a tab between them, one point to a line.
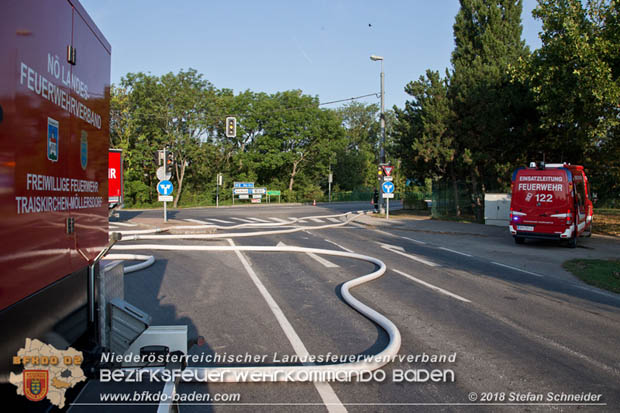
548	189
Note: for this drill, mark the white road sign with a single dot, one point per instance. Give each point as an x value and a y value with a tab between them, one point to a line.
162	175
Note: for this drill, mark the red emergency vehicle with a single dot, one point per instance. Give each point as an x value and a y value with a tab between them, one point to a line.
54	137
550	202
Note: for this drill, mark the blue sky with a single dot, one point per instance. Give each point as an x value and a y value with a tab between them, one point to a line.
319	46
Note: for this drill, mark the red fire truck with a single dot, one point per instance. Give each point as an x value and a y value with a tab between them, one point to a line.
54	134
550	202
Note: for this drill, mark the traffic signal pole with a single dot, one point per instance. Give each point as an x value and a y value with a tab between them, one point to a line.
165	174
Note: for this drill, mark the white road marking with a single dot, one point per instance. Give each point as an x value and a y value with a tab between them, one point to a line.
258	219
197	221
329	397
123	224
317	258
399	250
323	261
384	233
432	287
592	290
414	240
278	219
456	252
244	220
320	221
516	269
334	220
339	246
221	221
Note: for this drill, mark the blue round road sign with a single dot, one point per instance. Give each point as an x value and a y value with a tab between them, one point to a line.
165	187
388	187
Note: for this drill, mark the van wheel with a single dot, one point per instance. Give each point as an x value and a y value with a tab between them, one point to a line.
519	240
572	243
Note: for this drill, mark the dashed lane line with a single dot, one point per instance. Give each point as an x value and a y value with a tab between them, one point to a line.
432	287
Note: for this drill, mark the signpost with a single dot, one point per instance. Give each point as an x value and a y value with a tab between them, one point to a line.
115	177
164	188
388	192
246	190
273	192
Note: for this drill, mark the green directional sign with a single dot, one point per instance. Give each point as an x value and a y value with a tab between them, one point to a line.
273	192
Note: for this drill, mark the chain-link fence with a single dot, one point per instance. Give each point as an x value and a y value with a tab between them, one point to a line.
455	199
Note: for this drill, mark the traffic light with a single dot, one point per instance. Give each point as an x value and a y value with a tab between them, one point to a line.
231	127
169	161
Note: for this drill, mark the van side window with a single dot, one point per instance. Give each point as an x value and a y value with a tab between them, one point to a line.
580	192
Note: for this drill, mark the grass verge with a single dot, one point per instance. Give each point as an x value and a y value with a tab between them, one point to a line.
606	221
603	274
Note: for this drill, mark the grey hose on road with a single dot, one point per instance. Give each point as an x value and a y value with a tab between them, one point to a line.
305	372
280	373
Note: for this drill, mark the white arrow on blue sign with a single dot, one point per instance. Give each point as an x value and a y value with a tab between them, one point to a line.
388	187
164	187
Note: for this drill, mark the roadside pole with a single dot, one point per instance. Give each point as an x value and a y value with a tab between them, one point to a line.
164	186
217	190
329	182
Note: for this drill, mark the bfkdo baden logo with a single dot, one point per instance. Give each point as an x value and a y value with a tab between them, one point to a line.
48	372
36	384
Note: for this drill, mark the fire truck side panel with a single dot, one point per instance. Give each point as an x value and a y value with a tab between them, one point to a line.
54	140
54	137
91	224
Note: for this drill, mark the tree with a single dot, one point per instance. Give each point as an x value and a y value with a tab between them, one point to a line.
150	112
488	40
575	79
295	134
356	161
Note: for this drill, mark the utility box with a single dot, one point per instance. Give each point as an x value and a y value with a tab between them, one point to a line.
497	209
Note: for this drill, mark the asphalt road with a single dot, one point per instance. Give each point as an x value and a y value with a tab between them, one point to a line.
516	325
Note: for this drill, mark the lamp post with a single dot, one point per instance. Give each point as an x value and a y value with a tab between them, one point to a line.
382	120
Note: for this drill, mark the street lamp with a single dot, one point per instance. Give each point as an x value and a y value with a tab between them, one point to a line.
382	120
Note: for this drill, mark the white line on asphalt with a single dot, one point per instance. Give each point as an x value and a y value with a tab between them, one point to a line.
317	258
414	240
329	397
197	221
277	219
320	221
384	233
243	220
124	224
456	252
432	287
592	290
334	219
399	250
323	261
258	219
221	221
516	269
339	246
